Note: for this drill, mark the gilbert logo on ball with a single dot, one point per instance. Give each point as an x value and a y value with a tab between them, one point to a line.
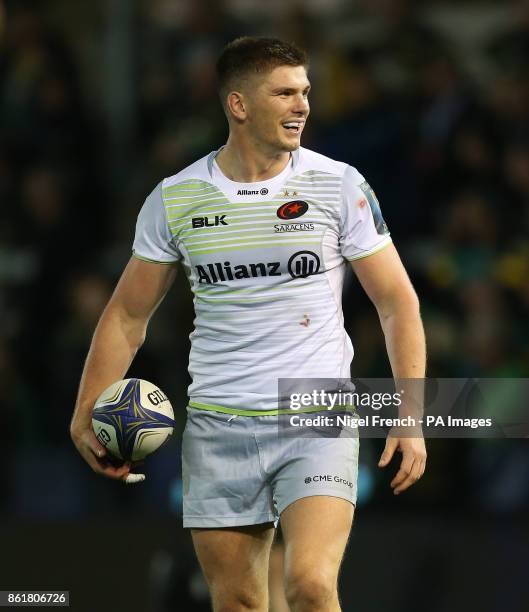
132	418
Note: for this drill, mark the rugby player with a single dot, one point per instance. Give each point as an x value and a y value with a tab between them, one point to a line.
264	229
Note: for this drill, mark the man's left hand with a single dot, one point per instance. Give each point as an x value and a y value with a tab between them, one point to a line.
413	461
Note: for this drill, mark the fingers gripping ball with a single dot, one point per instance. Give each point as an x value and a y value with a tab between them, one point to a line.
132	418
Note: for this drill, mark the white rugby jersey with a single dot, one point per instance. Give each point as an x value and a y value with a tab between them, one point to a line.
266	263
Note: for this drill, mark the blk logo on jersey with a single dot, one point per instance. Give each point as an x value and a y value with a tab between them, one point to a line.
209	221
292	210
303	264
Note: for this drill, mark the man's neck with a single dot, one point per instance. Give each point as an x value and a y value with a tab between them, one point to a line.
244	163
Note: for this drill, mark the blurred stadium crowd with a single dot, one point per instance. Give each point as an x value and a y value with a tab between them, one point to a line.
100	100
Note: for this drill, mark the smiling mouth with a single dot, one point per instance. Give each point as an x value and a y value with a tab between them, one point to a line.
294	127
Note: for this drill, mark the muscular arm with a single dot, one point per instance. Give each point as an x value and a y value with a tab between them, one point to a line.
385	281
118	336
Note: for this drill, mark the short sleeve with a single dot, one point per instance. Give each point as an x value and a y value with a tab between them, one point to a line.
153	240
363	230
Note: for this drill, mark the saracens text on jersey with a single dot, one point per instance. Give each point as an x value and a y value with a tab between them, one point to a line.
217	272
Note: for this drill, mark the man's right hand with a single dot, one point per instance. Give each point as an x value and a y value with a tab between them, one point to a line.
119	334
97	458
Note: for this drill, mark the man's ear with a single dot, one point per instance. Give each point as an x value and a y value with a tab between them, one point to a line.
236	105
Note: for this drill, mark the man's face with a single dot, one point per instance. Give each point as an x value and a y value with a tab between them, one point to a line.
277	108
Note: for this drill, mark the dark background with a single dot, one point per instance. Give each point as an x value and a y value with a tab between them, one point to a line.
99	101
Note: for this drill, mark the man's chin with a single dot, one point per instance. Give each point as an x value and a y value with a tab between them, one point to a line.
282	145
290	146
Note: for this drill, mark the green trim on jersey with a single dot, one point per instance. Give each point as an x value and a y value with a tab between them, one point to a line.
163	263
277	412
370	252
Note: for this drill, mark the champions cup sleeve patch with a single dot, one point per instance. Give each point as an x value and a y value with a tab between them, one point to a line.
380	224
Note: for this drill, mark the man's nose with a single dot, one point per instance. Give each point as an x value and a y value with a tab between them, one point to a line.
301	104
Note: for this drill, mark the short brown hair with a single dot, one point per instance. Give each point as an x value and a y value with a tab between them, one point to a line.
254	55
